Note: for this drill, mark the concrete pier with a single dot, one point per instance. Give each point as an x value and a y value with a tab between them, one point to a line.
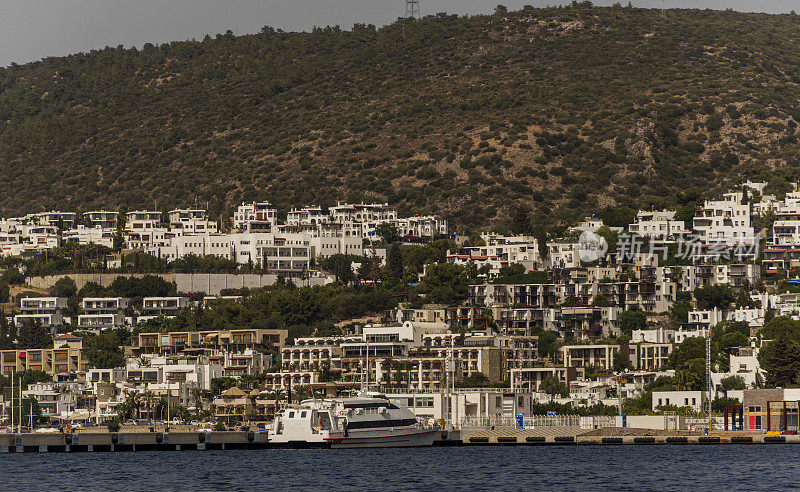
184	441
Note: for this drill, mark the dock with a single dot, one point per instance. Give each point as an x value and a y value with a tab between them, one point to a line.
220	440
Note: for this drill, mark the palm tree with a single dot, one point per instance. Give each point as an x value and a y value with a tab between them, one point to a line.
149	397
130	406
197	398
160	407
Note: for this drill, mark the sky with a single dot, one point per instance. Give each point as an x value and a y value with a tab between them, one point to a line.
35	29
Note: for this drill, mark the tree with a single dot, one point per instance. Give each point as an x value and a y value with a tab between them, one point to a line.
32	335
148	397
632	319
714	297
12	276
512	269
64	287
731	383
601	301
681	307
780	358
500	9
5	292
548	344
219	385
341	266
553	387
7	334
474	380
394	263
387	232
520	217
780	326
103	350
444	283
621	361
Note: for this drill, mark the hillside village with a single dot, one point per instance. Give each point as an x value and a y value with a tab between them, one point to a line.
597	321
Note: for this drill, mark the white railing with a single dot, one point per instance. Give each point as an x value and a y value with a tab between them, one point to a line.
539	421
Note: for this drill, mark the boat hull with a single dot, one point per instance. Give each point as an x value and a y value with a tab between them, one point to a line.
408	438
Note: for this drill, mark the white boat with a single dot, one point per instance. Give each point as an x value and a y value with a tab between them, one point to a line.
369	421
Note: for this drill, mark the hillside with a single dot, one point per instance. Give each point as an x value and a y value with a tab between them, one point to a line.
561	111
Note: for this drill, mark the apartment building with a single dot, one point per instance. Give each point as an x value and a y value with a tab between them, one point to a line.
101	218
90	235
421	227
142	219
64	363
180	246
48	311
103	312
169	307
723	222
530	378
214	341
191	221
312	216
255	217
59	220
601	357
362	212
657	225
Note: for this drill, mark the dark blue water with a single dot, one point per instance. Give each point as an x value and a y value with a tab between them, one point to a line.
585	468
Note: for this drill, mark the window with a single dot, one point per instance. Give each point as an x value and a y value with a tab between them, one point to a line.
303	415
291	415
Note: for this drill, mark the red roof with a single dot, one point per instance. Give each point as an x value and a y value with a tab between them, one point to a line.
67	337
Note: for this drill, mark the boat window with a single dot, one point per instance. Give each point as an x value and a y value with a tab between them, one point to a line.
291	415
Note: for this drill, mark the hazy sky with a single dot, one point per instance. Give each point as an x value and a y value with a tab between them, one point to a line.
34	29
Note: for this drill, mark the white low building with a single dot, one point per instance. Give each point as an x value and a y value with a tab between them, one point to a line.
692	399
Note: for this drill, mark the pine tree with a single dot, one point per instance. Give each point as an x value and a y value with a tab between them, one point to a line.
781	359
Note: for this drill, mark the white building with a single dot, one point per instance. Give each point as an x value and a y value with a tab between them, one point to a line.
726	221
693	399
256	216
101	218
659	225
421	227
191	221
169	307
312	215
142	219
90	235
49	311
103	312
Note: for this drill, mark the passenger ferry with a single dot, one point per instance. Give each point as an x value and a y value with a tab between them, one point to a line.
368	421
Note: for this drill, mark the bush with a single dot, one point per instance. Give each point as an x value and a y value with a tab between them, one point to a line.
113	425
